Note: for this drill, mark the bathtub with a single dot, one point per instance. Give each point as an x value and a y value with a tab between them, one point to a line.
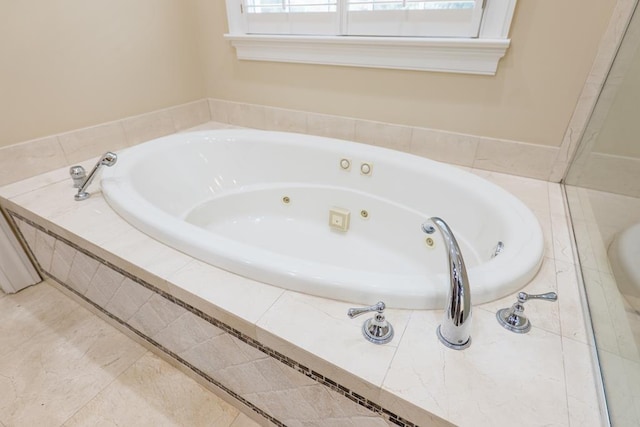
326	217
624	253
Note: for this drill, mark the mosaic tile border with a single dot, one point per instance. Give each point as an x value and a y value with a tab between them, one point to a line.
298	367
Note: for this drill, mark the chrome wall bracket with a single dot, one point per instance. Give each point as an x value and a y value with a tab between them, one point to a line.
513	318
376	330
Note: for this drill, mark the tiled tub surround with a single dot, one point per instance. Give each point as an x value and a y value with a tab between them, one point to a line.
61	365
545	377
271	384
38	156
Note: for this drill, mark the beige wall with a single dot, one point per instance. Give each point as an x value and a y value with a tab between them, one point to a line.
66	64
69	64
531	99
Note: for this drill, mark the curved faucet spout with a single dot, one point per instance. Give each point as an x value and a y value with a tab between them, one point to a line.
455	329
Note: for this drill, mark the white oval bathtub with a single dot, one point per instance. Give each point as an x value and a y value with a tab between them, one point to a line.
257	204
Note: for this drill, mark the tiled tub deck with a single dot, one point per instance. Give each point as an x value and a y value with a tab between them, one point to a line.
297	360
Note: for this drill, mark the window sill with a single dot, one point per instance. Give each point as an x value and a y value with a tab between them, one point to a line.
468	56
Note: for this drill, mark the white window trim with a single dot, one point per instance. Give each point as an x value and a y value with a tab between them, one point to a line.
456	55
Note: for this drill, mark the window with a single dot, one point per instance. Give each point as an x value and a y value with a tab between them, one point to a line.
468	36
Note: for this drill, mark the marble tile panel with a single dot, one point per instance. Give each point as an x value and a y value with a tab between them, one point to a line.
244	379
90	142
562	245
185	333
574	206
326	404
198	282
331	126
189	115
92	219
128	299
211	126
331	404
156	314
558	171
62	260
29	234
30	158
556	200
385	135
149	258
289	402
372	422
83	268
54	200
104	285
633	371
598	309
621	388
282	120
598	207
338	342
152	392
248	115
585	196
467	387
218	110
43	250
577	125
598	174
626	343
532	192
243	421
544	219
516	158
26	315
599	249
572	321
58	357
148	126
582	397
585	249
216	354
280	376
446	147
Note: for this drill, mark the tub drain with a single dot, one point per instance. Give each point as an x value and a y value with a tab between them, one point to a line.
286	200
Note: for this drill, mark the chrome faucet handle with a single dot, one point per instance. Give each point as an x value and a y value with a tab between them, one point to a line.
355	312
376	330
78	174
108	159
513	318
549	296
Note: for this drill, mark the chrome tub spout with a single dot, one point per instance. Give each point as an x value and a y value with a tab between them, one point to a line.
82	181
455	329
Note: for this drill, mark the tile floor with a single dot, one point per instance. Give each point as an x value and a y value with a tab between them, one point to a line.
60	365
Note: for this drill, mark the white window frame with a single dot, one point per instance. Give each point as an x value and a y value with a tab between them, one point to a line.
455	55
